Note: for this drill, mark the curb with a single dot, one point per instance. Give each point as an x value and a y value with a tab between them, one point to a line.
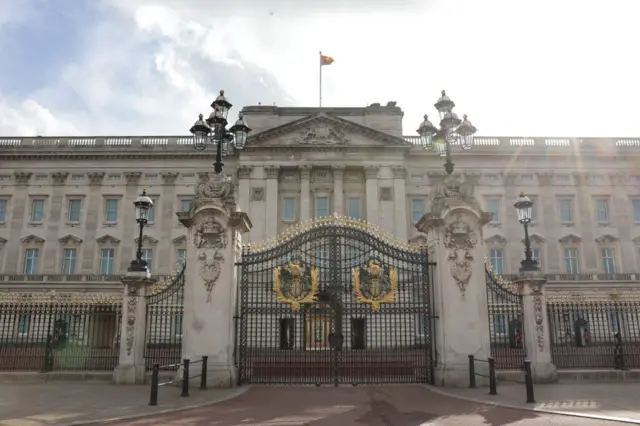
237	393
532	409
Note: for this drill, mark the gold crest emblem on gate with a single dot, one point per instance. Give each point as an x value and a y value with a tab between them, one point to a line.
295	284
375	284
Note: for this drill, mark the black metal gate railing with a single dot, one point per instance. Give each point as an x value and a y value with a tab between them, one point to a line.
164	318
506	329
335	302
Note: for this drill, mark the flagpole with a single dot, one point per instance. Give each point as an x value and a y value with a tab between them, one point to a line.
320	89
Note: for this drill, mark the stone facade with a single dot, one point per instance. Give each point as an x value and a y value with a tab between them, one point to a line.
66	204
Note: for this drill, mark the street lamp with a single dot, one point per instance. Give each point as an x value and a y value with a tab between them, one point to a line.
453	131
143	206
214	130
524	207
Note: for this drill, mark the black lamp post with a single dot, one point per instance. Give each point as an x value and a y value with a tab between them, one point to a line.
214	130
524	207
453	131
143	206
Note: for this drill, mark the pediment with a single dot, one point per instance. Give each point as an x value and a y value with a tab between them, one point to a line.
607	239
496	239
420	240
32	239
179	240
323	129
535	238
146	239
108	239
570	239
2	241
69	239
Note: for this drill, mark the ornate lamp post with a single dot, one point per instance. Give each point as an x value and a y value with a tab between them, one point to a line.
143	206
214	130
524	207
453	131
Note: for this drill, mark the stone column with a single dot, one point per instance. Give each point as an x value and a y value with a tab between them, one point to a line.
400	206
215	225
54	219
305	193
244	187
371	176
536	326
272	201
456	220
94	206
131	367
20	207
338	191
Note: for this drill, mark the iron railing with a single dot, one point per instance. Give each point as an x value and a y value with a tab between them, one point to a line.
595	331
52	332
506	332
164	322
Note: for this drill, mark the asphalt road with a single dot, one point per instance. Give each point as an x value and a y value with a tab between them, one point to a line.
347	406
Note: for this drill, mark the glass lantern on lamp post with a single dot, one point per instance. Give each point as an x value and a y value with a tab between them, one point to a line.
143	205
452	131
524	207
214	130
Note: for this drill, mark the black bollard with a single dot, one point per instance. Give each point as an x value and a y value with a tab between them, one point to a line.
528	380
472	372
153	400
185	378
492	376
203	375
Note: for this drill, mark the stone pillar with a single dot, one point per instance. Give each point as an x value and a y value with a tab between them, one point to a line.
400	206
338	191
371	188
536	326
272	201
460	300
131	367
305	193
214	225
244	187
54	218
20	207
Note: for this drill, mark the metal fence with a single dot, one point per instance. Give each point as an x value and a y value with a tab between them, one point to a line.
506	330
164	318
595	331
50	332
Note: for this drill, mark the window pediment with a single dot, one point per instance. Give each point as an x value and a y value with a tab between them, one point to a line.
535	238
108	239
2	241
607	239
146	239
496	239
570	239
32	239
179	240
69	240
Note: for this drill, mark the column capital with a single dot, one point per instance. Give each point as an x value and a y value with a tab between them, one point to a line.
371	172
272	172
244	172
59	178
338	171
22	178
305	172
545	178
96	178
399	172
169	177
132	178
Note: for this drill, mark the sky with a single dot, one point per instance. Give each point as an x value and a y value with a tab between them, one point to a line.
563	68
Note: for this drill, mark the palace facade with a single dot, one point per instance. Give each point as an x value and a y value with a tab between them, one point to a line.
67	216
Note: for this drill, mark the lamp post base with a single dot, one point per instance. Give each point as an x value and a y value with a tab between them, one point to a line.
529	265
138	266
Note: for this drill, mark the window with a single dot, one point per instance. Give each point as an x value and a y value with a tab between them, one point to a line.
74	211
185	205
37	210
493	206
499	324
289	209
613	322
358	333
107	261
417	209
534	211
182	257
566	211
353	208
608	261
535	254
31	261
152	212
111	210
496	258
602	211
322	207
636	210
3	211
571	260
147	256
69	261
287	333
23	323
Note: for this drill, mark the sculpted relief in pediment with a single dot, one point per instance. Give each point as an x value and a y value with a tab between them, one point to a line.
320	134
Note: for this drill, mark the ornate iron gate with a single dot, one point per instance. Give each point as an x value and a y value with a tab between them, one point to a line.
336	302
505	323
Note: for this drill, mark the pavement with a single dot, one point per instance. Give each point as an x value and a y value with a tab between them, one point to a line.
400	405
